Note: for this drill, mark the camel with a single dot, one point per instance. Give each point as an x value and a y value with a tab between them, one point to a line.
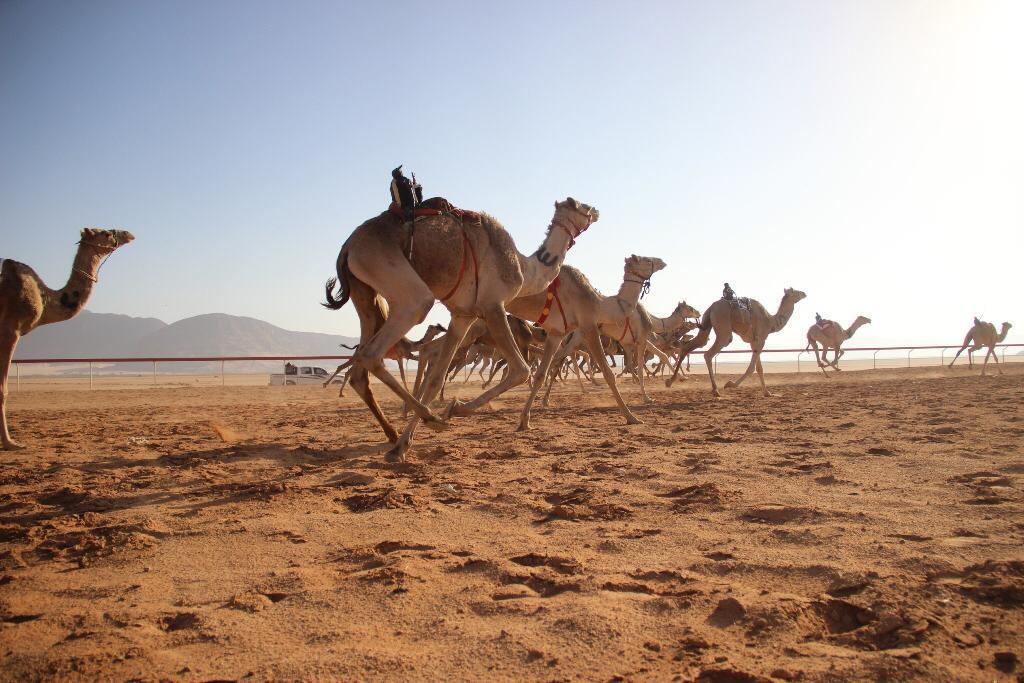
26	303
631	361
575	305
470	263
831	335
400	352
983	334
745	317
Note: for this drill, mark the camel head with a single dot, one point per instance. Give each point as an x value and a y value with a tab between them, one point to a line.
105	241
861	320
581	216
643	267
793	295
687	310
1006	328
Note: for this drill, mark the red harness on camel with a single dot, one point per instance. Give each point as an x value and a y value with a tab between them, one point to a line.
546	311
436	206
628	329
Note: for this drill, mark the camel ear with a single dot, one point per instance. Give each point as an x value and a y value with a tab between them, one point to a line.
575	204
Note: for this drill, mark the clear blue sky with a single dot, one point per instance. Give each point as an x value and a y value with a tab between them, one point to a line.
868	152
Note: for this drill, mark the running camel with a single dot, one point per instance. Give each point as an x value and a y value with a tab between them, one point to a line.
747	318
983	334
831	335
466	260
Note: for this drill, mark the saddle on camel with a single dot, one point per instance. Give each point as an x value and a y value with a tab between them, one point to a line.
407	204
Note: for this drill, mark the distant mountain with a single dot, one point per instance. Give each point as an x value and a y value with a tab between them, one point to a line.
105	335
88	335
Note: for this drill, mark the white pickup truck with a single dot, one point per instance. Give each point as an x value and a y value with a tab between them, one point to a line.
301	374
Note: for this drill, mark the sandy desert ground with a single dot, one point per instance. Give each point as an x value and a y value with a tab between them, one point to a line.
864	528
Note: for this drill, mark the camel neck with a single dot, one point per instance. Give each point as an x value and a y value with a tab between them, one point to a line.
1002	335
853	328
68	301
782	316
663	325
630	290
542	267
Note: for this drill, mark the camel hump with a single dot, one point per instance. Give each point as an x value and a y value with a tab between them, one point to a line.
976	321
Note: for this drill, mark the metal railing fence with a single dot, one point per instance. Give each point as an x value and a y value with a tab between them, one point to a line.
874	350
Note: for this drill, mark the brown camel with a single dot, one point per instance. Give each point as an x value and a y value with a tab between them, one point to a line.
983	334
402	351
747	318
470	263
831	335
576	305
26	303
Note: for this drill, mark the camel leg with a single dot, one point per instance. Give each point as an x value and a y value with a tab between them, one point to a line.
433	381
639	357
551	345
760	372
721	341
733	383
8	341
369	319
837	355
401	372
817	358
576	370
592	338
336	371
970	357
344	381
518	371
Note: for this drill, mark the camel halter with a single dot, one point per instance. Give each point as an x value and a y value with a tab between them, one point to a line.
645	285
568	231
110	250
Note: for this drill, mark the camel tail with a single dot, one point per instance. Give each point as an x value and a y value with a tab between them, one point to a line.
343	286
350	348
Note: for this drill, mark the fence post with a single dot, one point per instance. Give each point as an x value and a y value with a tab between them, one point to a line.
222	373
798	361
154	373
874	360
942	356
17	369
1004	354
908	357
90	375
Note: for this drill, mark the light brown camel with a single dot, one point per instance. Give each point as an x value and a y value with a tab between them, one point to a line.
576	305
26	303
983	334
467	261
669	325
402	351
747	318
831	335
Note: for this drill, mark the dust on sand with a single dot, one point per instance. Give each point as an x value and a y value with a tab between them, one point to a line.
860	528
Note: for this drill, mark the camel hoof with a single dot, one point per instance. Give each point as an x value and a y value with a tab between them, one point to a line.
634	421
523	427
13	446
730	385
396	454
437	424
716	393
768	394
668	384
451	410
